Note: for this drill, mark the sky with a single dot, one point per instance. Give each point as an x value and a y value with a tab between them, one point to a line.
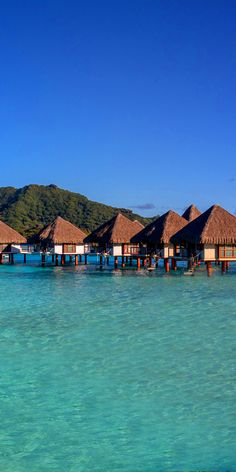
129	102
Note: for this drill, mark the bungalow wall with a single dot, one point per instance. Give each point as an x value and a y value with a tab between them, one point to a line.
116	250
22	248
16	248
210	252
168	250
126	249
74	249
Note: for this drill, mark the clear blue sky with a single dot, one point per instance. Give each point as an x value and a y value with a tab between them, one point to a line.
129	102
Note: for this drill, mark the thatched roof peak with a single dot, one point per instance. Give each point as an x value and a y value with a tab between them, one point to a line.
160	230
9	236
215	226
191	213
61	231
119	229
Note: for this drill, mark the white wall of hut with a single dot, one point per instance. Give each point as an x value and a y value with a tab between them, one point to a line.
58	249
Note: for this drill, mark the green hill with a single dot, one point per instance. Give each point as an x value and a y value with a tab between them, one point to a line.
30	208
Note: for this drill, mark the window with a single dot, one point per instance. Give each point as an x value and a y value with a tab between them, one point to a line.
131	249
227	251
69	248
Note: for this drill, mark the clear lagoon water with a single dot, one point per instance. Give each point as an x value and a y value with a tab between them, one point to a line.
116	371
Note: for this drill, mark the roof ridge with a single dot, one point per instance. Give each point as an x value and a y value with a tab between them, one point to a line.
212	210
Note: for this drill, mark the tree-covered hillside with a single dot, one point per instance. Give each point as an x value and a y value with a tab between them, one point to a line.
30	208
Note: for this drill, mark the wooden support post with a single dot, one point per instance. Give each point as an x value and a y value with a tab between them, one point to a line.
123	262
53	257
43	260
62	259
71	258
12	258
108	260
209	268
24	258
76	259
130	261
80	258
1	257
173	264
116	262
101	260
223	267
227	265
138	262
57	261
166	264
86	259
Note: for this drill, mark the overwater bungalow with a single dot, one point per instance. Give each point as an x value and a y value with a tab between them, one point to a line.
156	236
60	238
212	236
191	213
113	237
10	242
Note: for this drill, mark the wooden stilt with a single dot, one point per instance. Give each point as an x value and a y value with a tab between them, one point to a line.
173	264
166	264
1	258
227	265
57	260
24	258
53	257
86	259
108	260
76	259
130	261
12	258
209	268
101	260
123	262
43	260
223	267
116	262
62	259
71	258
138	262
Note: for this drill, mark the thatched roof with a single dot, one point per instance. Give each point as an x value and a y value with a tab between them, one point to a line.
118	229
9	235
191	213
61	232
214	226
161	230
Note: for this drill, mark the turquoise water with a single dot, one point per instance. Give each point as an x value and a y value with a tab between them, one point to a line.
125	371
